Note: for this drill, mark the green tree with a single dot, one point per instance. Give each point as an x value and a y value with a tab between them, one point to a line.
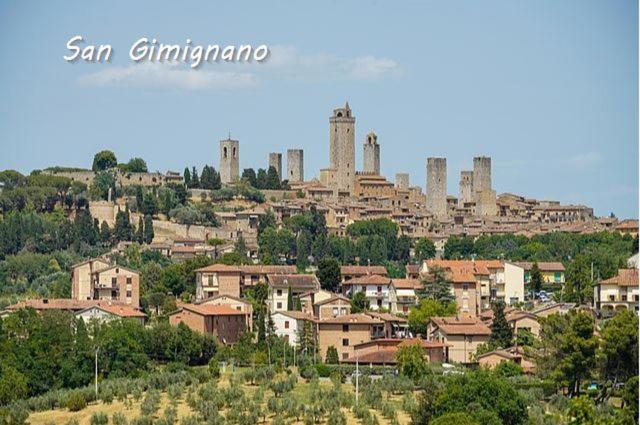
105	233
329	274
303	245
403	249
187	177
332	355
618	352
535	278
437	286
273	180
412	362
135	165
195	180
104	160
84	229
501	331
249	175
424	250
102	182
359	302
420	315
123	229
148	229
240	246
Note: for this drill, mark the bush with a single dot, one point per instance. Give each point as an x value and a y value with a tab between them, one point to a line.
76	401
99	418
214	368
324	371
119	418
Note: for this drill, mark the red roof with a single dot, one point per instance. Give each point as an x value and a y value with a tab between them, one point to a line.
373	279
213	310
461	326
216	268
363	270
625	277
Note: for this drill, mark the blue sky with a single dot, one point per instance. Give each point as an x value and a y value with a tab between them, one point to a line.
549	89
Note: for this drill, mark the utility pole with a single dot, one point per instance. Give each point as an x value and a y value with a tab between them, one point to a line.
357	378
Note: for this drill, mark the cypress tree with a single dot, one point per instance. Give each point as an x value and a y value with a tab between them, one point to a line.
501	332
187	177
195	181
140	231
273	180
148	229
105	233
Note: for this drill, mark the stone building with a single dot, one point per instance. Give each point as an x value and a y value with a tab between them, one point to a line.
295	165
437	186
466	188
342	151
484	195
402	181
371	154
275	161
229	160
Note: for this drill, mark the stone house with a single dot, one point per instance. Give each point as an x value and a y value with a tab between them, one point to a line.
224	322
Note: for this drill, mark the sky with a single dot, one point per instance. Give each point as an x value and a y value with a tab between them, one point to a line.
548	89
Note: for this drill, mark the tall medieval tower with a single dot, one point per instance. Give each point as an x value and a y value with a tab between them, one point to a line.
229	160
437	186
371	154
342	148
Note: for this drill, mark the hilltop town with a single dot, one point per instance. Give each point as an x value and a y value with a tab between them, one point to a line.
290	278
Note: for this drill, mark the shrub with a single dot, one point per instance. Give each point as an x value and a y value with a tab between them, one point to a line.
214	368
119	418
76	401
324	371
99	418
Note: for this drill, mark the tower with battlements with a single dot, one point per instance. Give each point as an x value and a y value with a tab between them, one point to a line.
402	181
483	194
466	188
229	160
295	165
342	149
371	154
437	186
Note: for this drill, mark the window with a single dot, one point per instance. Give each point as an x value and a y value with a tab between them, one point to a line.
279	292
557	277
624	297
114	281
279	305
114	294
128	280
335	311
345	328
465	287
128	294
612	298
345	356
343	310
345	342
286	324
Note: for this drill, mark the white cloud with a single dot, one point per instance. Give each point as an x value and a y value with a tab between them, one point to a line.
283	63
150	74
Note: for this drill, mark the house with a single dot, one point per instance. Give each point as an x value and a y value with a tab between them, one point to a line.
81	283
517	319
345	332
289	324
309	298
619	292
394	326
547	310
382	352
41	304
116	283
552	272
375	288
402	295
465	285
105	312
217	279
413	271
628	227
252	274
224	322
232	302
514	354
285	288
461	335
334	306
350	272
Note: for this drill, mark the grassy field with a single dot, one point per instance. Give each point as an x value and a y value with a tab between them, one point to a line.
131	408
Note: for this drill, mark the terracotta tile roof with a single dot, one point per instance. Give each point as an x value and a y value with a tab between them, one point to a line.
387	317
216	297
625	277
356	318
296	280
461	326
218	268
406	283
413	268
298	315
213	310
543	266
385	356
333	298
267	269
628	225
373	279
363	270
461	271
423	342
120	310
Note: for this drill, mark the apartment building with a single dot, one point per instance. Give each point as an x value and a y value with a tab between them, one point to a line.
81	283
285	288
403	294
351	272
217	279
552	272
620	292
234	303
375	288
224	322
117	284
461	336
345	332
289	324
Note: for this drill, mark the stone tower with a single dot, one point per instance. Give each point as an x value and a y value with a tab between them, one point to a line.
371	154
295	165
481	173
402	181
483	194
275	161
229	160
342	148
466	188
437	186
